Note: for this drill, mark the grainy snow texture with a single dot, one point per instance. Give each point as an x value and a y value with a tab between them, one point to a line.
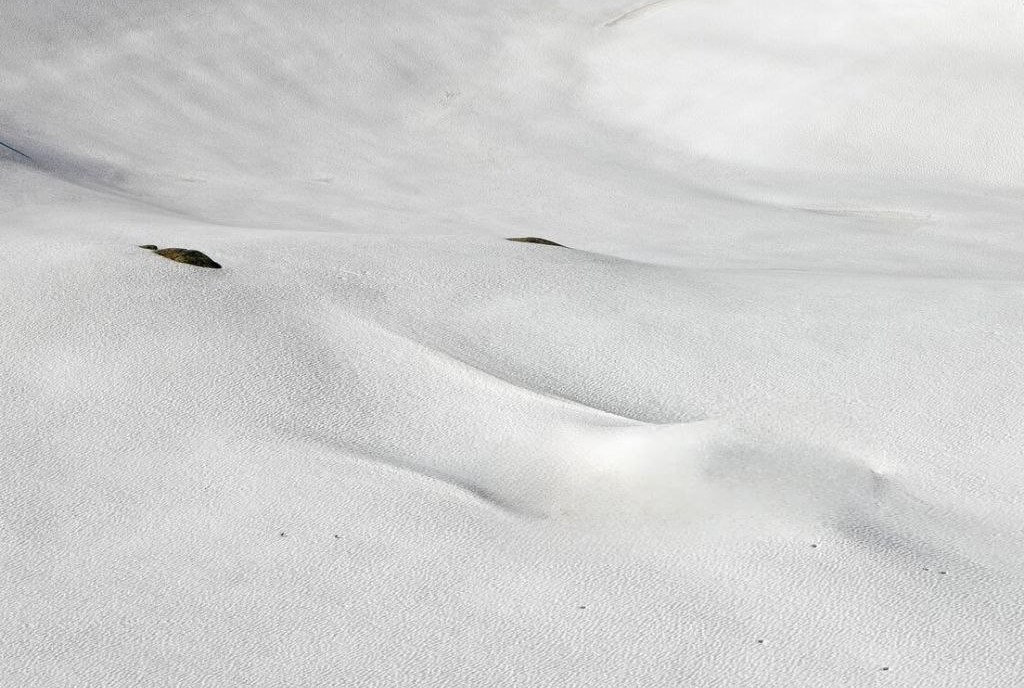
761	425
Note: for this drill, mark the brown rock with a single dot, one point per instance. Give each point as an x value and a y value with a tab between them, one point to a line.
185	255
536	240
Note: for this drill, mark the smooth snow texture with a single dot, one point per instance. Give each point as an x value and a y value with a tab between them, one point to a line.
759	426
926	88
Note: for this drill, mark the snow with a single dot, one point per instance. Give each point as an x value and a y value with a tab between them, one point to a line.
758	425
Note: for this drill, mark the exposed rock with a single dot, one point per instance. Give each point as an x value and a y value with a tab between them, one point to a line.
536	240
184	255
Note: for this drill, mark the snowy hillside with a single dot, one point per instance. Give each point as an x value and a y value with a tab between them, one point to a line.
757	423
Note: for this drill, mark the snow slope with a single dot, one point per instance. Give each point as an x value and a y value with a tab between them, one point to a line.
758	426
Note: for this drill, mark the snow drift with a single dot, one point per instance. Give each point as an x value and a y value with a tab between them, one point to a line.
760	425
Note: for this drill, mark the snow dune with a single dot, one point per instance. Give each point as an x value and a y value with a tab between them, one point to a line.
759	425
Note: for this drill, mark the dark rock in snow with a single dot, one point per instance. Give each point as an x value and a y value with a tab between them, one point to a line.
184	255
536	240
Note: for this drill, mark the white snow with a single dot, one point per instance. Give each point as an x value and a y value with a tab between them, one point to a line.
760	425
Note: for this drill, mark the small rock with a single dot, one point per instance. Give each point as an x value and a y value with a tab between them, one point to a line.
186	255
535	240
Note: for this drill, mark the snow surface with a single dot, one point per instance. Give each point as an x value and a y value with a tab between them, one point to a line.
760	425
